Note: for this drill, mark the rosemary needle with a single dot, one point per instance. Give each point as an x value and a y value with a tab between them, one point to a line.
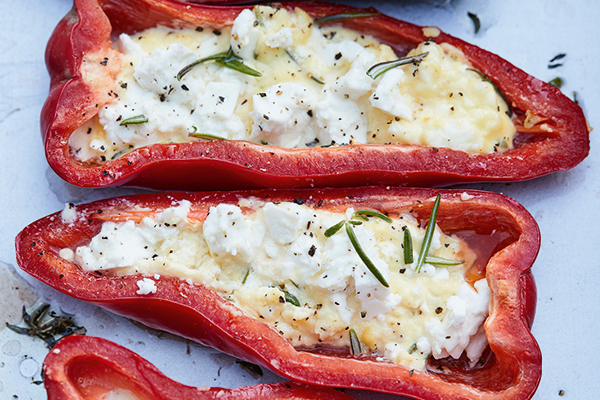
138	119
408	247
355	343
428	234
346	15
372	213
363	256
382	67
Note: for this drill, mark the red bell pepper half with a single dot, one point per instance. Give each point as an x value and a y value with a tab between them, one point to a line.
559	140
87	367
502	233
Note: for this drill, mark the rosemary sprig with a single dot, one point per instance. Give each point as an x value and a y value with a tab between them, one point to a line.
428	234
206	136
385	66
442	261
227	59
372	213
49	327
355	343
363	256
408	247
361	214
487	79
138	119
246	276
346	15
334	229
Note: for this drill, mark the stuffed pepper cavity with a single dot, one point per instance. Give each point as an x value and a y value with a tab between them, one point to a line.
392	290
276	77
289	96
87	367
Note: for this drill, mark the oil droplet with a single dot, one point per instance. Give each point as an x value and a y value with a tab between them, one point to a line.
29	367
12	348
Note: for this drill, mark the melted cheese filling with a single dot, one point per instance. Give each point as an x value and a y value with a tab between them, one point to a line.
273	261
314	91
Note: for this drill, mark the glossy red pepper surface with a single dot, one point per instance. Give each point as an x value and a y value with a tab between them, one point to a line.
87	367
559	140
503	233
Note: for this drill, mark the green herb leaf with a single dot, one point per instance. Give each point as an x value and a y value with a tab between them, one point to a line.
475	20
363	256
380	68
334	229
408	247
412	348
290	298
358	216
346	15
428	234
206	136
356	222
442	261
556	82
246	276
487	79
372	213
227	59
138	119
239	67
355	343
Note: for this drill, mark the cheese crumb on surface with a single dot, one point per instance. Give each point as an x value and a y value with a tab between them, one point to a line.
146	286
273	261
69	213
314	91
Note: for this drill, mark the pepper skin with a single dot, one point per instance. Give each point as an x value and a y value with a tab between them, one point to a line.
87	367
502	232
558	141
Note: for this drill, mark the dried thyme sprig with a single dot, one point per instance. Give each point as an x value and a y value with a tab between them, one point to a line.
49	327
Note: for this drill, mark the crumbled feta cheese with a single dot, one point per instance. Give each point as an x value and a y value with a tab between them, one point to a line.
226	231
313	91
282	115
69	213
146	286
282	38
244	34
258	254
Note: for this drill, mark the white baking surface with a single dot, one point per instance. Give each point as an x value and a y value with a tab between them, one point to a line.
528	33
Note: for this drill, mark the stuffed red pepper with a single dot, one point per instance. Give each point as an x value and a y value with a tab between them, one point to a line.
416	292
170	95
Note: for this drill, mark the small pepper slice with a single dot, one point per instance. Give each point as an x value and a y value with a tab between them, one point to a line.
87	367
503	234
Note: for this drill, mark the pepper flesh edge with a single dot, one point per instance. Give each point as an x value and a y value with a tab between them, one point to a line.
87	28
110	366
198	313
